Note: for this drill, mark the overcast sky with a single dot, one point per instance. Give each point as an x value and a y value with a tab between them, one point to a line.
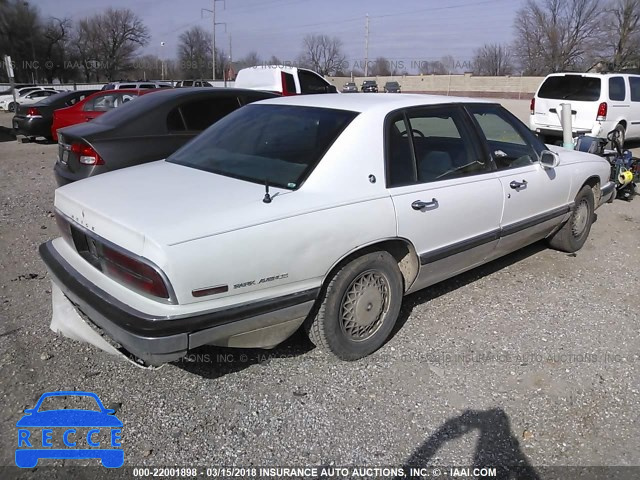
402	31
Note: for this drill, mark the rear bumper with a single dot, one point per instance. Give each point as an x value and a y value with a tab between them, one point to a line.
32	126
158	340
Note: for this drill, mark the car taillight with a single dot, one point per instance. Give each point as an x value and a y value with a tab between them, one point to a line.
33	112
64	227
532	106
285	91
86	154
602	112
133	273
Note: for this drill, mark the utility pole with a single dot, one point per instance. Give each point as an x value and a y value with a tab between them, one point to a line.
366	47
213	40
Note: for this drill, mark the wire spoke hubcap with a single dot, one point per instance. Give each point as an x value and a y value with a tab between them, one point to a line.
364	306
580	218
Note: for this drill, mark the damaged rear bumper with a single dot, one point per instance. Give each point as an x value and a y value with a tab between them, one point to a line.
157	340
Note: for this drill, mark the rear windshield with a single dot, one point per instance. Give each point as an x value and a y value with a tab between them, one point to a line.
280	144
571	87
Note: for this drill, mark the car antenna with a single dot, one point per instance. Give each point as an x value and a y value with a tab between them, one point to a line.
267	197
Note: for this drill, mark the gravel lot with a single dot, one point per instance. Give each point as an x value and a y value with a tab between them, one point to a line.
531	360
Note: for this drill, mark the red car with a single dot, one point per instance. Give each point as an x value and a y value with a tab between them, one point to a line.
92	107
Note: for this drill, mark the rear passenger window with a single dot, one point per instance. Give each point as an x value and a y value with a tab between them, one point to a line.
201	114
634	84
431	145
311	83
617	90
174	121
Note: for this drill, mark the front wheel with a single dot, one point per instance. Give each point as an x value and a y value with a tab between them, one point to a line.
360	307
11	107
573	234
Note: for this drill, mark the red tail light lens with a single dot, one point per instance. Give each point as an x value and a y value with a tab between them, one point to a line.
133	273
602	112
86	154
532	106
33	112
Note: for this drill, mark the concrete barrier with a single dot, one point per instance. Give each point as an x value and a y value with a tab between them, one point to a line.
466	85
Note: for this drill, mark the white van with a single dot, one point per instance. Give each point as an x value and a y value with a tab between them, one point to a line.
600	103
282	79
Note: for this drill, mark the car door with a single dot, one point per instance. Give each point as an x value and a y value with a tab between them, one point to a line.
535	199
448	201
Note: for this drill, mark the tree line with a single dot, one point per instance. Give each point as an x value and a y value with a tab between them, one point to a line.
567	35
550	36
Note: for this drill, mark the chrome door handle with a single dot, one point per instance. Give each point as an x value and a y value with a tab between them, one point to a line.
420	205
516	185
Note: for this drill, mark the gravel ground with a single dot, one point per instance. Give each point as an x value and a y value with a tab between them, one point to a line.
530	360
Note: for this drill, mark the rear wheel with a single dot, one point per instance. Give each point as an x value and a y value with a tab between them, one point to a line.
573	234
360	307
11	107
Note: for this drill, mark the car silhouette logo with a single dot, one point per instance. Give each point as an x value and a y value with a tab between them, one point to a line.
79	433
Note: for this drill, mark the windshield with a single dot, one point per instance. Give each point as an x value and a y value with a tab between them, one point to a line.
571	87
280	144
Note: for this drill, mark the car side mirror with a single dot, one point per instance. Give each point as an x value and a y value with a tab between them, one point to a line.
332	89
549	159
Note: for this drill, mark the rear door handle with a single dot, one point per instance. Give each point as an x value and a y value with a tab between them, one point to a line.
420	205
516	185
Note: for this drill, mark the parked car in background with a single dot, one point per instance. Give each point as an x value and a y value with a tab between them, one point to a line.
34	97
92	107
192	83
135	85
7	103
36	120
350	87
151	128
338	224
369	86
283	80
599	102
392	87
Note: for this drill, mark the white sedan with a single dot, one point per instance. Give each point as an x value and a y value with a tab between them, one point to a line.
318	212
26	96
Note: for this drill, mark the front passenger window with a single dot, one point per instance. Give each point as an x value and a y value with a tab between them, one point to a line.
507	145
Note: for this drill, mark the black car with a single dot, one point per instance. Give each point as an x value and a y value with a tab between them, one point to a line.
35	120
392	87
151	128
369	86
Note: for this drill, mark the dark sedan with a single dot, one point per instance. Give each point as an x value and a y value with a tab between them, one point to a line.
369	86
392	87
151	128
35	120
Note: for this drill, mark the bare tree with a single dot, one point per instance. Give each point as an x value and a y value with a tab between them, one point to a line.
381	67
116	34
194	53
251	59
56	36
323	54
492	59
557	35
623	38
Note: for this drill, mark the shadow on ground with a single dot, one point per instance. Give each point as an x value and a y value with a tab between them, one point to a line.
7	135
497	446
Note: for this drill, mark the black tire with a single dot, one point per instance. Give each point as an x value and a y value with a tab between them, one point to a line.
621	137
573	234
346	324
11	107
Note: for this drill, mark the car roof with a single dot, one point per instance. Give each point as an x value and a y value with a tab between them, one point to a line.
362	103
